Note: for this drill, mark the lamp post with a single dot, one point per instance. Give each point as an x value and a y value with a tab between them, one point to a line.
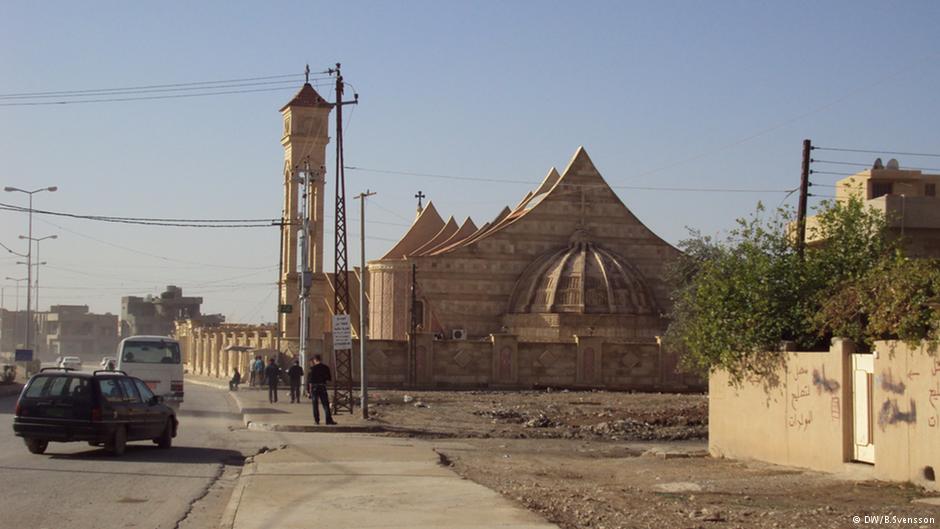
16	317
363	331
36	283
29	255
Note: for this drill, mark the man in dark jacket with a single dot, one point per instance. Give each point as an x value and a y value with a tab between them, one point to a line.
271	374
296	375
317	378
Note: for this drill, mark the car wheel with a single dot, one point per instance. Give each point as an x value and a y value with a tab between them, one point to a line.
36	446
118	443
166	438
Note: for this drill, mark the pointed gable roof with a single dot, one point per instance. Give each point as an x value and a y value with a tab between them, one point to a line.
580	171
467	229
425	227
550	180
307	97
449	229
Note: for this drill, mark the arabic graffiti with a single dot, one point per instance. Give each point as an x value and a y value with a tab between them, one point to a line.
795	397
933	398
829	385
835	408
890	385
799	416
891	414
801	420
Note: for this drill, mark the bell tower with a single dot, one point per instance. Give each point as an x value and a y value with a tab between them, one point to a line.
306	121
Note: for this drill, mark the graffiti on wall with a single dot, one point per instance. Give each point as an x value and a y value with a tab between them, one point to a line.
799	417
933	395
822	383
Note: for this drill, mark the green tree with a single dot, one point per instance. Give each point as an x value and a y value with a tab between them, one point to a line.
735	300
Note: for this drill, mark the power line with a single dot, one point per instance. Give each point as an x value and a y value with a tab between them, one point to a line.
869	165
896	153
153	90
147	87
186	223
836	173
148	254
143	98
530	182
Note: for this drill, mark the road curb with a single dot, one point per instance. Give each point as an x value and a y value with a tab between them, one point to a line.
312	428
231	508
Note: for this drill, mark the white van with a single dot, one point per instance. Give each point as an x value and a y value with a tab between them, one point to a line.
157	361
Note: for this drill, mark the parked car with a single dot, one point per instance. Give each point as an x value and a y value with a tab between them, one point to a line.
71	362
102	408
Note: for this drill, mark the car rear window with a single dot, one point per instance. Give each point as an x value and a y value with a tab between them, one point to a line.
59	386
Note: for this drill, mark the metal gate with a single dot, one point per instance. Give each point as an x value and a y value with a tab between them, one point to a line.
863	368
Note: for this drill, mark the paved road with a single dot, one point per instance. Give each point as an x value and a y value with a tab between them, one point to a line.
78	486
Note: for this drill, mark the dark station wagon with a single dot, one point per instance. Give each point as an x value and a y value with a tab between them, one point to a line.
105	408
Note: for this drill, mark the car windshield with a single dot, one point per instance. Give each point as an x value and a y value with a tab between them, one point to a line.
151	353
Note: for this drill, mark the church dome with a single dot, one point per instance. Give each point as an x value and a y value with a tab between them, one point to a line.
583	278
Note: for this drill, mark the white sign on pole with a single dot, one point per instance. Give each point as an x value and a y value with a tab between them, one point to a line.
342	332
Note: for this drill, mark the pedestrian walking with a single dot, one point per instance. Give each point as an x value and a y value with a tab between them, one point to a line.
257	371
235	381
296	376
271	374
317	378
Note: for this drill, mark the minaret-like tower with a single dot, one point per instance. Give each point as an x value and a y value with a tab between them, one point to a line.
306	121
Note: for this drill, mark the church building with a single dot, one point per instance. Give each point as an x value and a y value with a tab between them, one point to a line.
564	289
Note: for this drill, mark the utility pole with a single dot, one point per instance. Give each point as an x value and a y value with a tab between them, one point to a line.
306	276
413	344
342	359
363	331
37	241
804	193
29	257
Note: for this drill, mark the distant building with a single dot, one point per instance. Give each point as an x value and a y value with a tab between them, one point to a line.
12	330
70	330
156	315
908	198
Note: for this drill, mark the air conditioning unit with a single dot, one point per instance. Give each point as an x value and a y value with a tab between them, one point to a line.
458	334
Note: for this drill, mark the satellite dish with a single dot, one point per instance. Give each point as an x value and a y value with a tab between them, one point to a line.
878	164
893	164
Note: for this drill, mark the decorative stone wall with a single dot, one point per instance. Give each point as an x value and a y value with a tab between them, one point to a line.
498	362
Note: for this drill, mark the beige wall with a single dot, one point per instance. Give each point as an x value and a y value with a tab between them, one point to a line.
806	419
498	362
906	413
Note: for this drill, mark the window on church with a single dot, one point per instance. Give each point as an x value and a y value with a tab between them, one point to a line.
930	190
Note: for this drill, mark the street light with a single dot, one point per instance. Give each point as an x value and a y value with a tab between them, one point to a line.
16	317
29	256
36	283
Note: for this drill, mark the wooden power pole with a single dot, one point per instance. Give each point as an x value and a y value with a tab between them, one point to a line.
804	193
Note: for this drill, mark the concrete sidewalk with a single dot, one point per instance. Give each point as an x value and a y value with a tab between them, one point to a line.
283	416
354	481
351	481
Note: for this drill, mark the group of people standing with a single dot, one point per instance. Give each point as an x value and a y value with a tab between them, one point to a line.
317	378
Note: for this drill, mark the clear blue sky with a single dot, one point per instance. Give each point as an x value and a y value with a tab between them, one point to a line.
664	94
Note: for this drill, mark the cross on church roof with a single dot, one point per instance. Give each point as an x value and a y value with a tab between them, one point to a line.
419	196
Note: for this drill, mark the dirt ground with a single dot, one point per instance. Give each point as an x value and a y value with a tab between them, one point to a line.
608	460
